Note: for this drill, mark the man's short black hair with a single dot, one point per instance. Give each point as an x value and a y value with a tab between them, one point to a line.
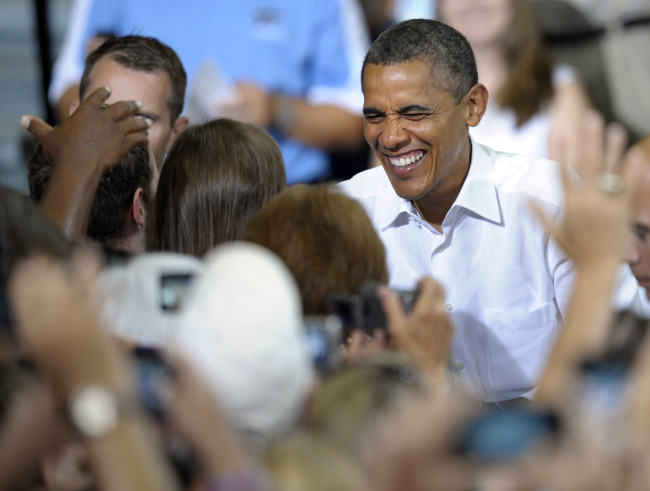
114	194
453	67
146	54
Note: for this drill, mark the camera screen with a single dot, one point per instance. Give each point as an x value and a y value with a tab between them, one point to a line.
173	290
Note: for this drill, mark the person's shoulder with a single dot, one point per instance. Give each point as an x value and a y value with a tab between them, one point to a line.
537	177
373	190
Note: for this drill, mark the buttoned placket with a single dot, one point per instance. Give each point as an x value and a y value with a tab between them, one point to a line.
441	247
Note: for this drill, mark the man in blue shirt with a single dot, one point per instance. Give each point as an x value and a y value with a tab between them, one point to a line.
292	65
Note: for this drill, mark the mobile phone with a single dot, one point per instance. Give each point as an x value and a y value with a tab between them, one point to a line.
323	335
601	389
610	369
498	437
151	367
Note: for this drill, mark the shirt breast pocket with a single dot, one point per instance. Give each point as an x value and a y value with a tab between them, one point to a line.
518	346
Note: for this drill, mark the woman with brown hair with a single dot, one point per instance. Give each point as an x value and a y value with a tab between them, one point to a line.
326	239
216	177
534	108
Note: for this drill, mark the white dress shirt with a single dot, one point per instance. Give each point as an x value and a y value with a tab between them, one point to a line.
507	283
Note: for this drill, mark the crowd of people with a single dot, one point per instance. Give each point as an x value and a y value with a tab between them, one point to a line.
185	303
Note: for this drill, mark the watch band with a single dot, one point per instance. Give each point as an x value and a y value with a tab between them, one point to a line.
96	411
283	114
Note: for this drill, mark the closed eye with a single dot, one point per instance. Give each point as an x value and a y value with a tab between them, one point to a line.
415	116
374	118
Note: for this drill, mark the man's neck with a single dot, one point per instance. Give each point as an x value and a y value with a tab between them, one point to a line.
434	206
132	241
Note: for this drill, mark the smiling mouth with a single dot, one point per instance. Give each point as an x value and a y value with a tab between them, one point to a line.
404	161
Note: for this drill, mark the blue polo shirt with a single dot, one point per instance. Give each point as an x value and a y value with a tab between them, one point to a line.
301	48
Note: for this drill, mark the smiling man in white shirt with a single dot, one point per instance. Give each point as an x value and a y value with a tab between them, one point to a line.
449	207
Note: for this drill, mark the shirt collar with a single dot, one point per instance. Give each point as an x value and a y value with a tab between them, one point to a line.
478	194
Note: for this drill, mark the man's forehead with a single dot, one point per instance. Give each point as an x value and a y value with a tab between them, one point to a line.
128	83
378	69
406	83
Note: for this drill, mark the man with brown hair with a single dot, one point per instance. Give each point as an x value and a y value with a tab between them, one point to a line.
146	70
638	253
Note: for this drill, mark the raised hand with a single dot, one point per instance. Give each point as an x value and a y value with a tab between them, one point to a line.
593	233
95	134
594	228
55	307
426	332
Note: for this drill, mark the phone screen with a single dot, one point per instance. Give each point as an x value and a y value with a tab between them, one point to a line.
494	437
151	367
323	337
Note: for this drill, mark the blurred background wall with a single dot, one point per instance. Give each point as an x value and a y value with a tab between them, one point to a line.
20	77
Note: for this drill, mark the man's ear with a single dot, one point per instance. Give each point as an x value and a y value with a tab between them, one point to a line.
179	127
137	208
74	105
476	100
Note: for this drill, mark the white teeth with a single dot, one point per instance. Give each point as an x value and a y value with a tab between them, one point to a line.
402	162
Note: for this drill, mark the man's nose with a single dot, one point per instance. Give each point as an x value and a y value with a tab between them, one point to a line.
393	133
632	250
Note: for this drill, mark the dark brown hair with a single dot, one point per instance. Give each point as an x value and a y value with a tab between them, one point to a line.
114	194
326	239
442	47
529	85
145	54
216	177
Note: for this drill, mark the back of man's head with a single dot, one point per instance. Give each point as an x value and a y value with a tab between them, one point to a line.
114	195
453	67
145	54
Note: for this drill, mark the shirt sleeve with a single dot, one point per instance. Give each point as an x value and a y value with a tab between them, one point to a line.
341	35
87	18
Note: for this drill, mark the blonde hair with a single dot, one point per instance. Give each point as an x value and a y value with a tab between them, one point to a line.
348	406
308	460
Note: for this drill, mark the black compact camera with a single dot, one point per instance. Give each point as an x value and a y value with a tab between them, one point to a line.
363	310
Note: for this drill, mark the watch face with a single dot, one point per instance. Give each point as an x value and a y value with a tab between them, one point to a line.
94	411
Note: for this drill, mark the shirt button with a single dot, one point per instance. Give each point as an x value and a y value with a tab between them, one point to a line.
449	307
460	365
440	248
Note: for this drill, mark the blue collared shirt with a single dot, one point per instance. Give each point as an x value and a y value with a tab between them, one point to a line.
308	49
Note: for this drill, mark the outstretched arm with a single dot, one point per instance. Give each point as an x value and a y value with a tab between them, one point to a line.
593	234
72	352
